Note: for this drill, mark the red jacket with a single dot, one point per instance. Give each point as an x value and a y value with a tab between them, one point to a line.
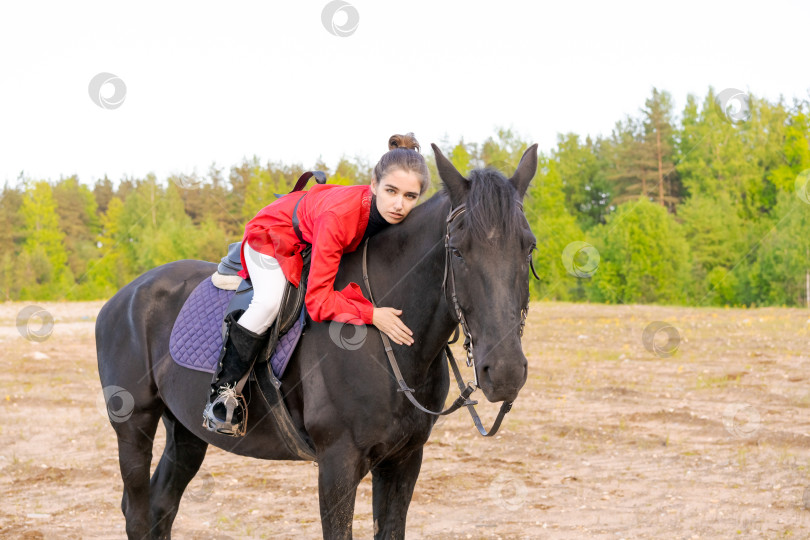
333	219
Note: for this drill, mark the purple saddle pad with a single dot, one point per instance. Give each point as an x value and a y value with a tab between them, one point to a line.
196	339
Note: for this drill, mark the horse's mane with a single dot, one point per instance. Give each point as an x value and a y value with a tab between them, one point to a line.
491	206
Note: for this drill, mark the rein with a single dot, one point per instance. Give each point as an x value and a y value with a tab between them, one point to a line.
466	390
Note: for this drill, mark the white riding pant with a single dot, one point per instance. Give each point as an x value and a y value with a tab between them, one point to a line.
268	288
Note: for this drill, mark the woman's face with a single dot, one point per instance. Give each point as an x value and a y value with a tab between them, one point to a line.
397	193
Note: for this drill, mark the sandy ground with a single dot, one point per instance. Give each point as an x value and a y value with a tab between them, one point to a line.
607	440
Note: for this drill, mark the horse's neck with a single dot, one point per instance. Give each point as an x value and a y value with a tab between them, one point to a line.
406	266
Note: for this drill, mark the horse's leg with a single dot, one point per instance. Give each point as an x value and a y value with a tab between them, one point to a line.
181	459
136	436
340	470
392	487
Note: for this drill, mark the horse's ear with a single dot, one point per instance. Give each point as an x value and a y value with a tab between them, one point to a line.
457	186
525	171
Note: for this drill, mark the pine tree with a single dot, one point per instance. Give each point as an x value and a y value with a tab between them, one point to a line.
642	154
628	171
103	191
658	145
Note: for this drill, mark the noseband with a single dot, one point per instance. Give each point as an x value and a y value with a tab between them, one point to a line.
466	390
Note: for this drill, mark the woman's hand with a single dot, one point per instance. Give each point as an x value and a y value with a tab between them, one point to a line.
387	320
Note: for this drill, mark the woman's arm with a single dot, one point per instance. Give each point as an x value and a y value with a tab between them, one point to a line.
323	302
349	305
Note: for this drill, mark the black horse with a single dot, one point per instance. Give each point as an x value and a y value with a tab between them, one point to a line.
345	401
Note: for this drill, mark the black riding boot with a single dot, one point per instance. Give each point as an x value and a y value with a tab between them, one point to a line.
226	411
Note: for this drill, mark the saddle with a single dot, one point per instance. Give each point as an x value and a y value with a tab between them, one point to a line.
198	332
227	278
194	342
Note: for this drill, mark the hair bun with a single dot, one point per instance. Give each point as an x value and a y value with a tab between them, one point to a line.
403	141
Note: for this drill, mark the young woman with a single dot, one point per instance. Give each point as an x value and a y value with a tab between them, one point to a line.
334	220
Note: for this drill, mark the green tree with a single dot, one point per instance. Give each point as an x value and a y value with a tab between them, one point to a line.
641	151
657	147
10	234
795	149
44	248
582	170
77	210
502	153
103	191
461	158
125	187
11	239
212	242
554	229
350	172
217	202
628	171
347	173
717	237
783	257
715	156
644	257
109	272
154	226
260	191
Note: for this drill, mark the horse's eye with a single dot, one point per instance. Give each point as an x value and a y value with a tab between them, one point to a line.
456	253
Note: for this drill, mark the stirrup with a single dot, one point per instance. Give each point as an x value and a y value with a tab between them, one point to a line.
231	400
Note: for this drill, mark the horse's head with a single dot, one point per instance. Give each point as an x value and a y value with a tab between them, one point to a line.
489	247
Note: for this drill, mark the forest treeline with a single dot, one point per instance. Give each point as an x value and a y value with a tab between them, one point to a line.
706	206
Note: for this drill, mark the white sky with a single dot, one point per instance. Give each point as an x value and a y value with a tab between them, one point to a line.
217	81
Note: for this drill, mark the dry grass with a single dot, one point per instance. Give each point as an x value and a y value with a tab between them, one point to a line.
607	440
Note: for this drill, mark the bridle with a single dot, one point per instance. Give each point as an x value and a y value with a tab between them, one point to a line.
466	390
448	273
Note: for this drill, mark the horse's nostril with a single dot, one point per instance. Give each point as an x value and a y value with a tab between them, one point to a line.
485	375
